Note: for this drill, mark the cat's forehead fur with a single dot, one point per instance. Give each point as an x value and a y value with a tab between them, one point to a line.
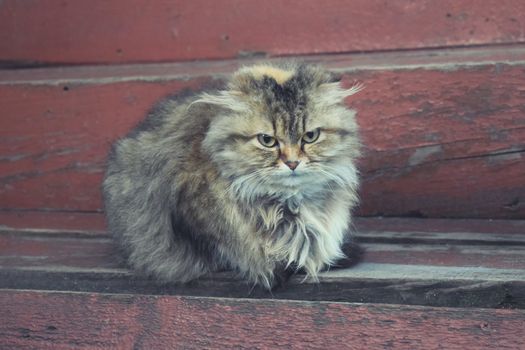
280	75
290	78
284	93
284	100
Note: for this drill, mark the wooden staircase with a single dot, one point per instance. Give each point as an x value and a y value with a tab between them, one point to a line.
442	216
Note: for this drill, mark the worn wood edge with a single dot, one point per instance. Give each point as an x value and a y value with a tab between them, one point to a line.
45	232
422	272
443	59
379	271
429	292
226	299
444	238
440	246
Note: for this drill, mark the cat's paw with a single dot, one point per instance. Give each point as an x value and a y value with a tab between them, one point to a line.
281	275
354	253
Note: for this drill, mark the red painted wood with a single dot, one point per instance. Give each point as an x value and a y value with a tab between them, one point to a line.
97	31
55	139
432	139
395	244
57	251
446	58
431	148
465	256
48	320
95	223
405	225
91	222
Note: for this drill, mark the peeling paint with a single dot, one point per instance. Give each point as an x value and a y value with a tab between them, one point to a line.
513	154
13	158
422	153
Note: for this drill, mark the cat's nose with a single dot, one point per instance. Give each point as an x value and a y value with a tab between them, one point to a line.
292	164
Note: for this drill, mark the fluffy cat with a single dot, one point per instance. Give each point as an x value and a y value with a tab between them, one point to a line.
259	177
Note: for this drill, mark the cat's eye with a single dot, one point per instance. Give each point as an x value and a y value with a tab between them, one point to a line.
311	136
266	140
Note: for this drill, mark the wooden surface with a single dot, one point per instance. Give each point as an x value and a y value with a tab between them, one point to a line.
94	222
444	135
79	32
431	150
445	264
50	320
423	283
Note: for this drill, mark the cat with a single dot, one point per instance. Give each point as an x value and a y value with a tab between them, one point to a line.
259	177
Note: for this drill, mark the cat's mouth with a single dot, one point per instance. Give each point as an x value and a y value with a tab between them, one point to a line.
293	179
291	174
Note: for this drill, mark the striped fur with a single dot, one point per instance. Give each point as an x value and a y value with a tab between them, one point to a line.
192	189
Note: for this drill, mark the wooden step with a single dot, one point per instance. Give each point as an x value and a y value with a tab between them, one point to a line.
96	31
57	320
443	132
421	281
443	124
402	260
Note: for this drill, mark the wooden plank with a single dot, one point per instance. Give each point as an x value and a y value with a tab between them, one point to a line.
138	31
434	150
383	239
57	138
65	250
421	150
414	254
93	222
371	289
78	254
48	320
432	270
426	272
84	254
79	251
442	59
469	226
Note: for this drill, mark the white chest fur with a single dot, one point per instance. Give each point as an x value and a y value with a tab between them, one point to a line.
307	235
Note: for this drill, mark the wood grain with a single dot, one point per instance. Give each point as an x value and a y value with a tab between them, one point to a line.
49	220
79	254
438	139
437	291
48	320
440	268
80	32
79	250
423	145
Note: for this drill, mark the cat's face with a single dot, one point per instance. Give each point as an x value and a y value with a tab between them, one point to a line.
285	133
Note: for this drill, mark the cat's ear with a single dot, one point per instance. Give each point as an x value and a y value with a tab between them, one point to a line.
334	93
227	99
